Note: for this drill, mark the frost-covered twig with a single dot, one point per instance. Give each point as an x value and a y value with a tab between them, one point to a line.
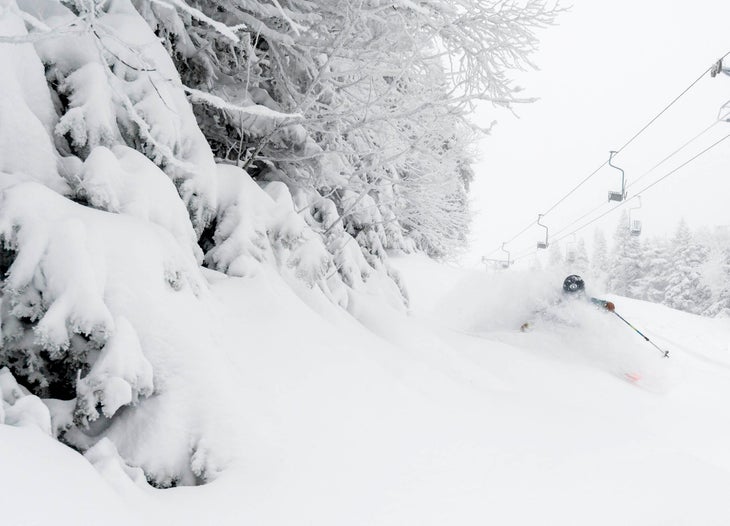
295	27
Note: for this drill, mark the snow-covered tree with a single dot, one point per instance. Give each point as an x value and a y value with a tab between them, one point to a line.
716	273
655	270
599	257
555	255
580	262
720	304
624	267
685	289
352	100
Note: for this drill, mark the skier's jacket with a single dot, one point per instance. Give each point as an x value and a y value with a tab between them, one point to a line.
604	304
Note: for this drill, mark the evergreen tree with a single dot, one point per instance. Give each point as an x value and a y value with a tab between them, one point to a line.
555	255
655	278
720	305
599	257
625	270
581	263
718	274
686	290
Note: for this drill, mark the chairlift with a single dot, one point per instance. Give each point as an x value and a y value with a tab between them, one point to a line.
494	264
506	264
635	224
718	67
724	113
540	244
617	196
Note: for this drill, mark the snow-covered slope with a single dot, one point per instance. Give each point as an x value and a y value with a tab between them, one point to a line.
448	415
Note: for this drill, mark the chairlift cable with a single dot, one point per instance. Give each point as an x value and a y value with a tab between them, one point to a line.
669	105
592	210
594	172
622	203
635	136
682	165
688	161
619	150
657	165
650	170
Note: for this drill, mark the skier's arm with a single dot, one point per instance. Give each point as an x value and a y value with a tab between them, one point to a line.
608	305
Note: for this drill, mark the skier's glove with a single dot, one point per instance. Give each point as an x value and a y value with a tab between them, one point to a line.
610	306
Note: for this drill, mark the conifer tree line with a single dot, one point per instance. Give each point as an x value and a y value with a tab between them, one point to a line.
688	271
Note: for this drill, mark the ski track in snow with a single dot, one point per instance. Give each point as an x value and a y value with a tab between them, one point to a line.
446	416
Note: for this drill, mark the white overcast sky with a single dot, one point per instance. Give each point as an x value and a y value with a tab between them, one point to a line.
605	70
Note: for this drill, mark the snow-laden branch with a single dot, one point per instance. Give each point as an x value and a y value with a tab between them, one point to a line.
32	21
45	33
253	109
202	17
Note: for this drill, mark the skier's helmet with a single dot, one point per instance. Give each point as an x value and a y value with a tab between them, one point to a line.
573	284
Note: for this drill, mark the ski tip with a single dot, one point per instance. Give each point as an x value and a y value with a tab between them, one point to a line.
632	377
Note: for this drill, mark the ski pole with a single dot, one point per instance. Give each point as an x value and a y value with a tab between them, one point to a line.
664	353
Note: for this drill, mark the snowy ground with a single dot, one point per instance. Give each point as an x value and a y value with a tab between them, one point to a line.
446	416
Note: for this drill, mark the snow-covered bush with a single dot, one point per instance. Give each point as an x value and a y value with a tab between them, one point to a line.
101	309
257	227
122	180
116	85
27	116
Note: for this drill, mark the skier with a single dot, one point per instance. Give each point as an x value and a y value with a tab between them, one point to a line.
574	288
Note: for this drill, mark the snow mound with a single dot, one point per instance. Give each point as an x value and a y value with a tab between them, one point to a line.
20	408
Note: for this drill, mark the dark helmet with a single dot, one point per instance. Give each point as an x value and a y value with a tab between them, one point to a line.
573	284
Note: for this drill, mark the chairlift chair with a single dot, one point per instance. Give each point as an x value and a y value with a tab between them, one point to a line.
635	228
617	196
540	244
494	264
508	262
724	113
719	67
716	68
635	224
